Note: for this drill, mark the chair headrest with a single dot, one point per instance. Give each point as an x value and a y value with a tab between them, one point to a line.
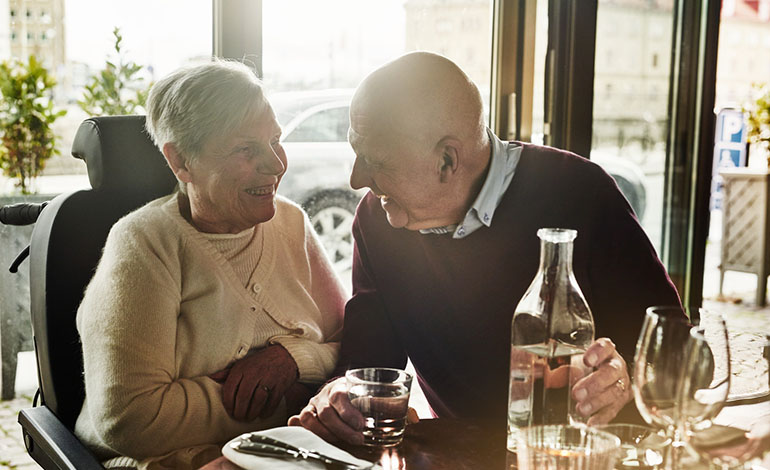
120	155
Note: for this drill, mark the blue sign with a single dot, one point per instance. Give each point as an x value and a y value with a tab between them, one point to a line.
729	149
730	127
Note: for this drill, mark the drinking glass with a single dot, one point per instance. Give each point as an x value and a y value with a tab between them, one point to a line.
706	375
681	376
565	447
641	447
660	355
382	396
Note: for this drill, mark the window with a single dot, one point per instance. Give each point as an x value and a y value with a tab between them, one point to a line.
739	64
629	125
326	125
312	63
76	40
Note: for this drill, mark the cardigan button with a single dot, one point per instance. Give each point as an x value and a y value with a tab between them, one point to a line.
256	288
253	308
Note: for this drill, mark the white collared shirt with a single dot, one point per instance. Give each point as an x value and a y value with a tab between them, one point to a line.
502	165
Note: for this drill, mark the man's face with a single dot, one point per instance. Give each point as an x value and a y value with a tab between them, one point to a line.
399	170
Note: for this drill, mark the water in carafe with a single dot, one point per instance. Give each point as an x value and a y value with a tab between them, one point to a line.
551	328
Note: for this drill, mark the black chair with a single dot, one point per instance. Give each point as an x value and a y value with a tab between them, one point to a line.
126	170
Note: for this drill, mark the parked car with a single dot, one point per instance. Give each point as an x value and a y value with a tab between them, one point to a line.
315	127
315	137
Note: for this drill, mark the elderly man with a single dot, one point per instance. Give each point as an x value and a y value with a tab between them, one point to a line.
446	245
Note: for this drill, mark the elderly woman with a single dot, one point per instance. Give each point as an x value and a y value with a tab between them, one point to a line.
213	310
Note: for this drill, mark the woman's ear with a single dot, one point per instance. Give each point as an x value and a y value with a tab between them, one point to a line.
177	163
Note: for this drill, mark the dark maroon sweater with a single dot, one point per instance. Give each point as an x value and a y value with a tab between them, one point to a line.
448	303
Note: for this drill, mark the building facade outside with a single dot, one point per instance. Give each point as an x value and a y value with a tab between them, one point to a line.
454	28
36	27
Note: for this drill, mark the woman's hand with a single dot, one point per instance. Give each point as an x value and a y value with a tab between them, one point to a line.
254	385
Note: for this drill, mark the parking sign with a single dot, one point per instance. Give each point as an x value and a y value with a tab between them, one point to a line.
729	149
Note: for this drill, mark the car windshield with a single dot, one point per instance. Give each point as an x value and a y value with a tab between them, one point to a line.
288	105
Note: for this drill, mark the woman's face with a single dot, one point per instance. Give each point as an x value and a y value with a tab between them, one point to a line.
233	182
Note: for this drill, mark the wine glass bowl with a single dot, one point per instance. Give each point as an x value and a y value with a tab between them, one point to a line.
681	375
706	378
657	366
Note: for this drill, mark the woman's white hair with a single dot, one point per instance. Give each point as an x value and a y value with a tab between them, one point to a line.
194	104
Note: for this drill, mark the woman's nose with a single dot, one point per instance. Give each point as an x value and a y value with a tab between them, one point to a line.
273	164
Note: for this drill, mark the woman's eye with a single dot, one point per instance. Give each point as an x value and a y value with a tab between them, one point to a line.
244	150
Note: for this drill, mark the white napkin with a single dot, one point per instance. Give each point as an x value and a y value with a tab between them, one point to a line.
296	436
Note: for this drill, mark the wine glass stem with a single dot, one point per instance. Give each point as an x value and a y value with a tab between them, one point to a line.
674	450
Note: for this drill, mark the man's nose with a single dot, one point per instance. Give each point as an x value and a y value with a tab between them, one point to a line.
359	177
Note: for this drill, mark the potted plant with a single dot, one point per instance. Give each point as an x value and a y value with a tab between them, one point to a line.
116	89
758	120
27	114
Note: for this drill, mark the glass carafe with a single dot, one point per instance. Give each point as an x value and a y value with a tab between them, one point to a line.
551	328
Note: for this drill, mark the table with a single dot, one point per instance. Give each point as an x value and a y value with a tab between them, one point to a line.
437	444
431	444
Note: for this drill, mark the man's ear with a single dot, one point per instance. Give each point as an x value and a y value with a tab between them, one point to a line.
449	161
177	162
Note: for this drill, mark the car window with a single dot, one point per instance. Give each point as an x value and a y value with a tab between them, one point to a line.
328	125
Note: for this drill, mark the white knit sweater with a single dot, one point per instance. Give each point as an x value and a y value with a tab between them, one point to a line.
165	309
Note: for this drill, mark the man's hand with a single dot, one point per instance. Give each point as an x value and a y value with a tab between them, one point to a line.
331	415
607	389
254	385
297	396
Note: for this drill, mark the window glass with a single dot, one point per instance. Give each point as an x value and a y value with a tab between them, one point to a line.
634	41
311	65
742	62
326	125
74	39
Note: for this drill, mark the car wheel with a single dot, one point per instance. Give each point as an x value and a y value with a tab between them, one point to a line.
331	213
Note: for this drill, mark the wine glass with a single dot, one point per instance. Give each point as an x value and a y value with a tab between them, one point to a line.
706	375
681	375
660	355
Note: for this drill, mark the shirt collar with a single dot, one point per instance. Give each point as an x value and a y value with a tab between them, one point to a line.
505	156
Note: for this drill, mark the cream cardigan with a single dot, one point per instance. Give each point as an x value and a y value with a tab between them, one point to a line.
165	309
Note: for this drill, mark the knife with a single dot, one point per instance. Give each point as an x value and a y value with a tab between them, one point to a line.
265	446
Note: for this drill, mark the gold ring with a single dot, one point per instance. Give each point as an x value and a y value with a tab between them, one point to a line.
621	384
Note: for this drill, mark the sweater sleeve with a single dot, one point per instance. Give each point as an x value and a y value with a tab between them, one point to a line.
316	361
626	275
136	403
369	339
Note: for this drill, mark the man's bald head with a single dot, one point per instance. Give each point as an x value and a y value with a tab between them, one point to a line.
417	128
421	95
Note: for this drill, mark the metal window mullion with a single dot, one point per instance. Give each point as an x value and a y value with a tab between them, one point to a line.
690	145
513	43
237	31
